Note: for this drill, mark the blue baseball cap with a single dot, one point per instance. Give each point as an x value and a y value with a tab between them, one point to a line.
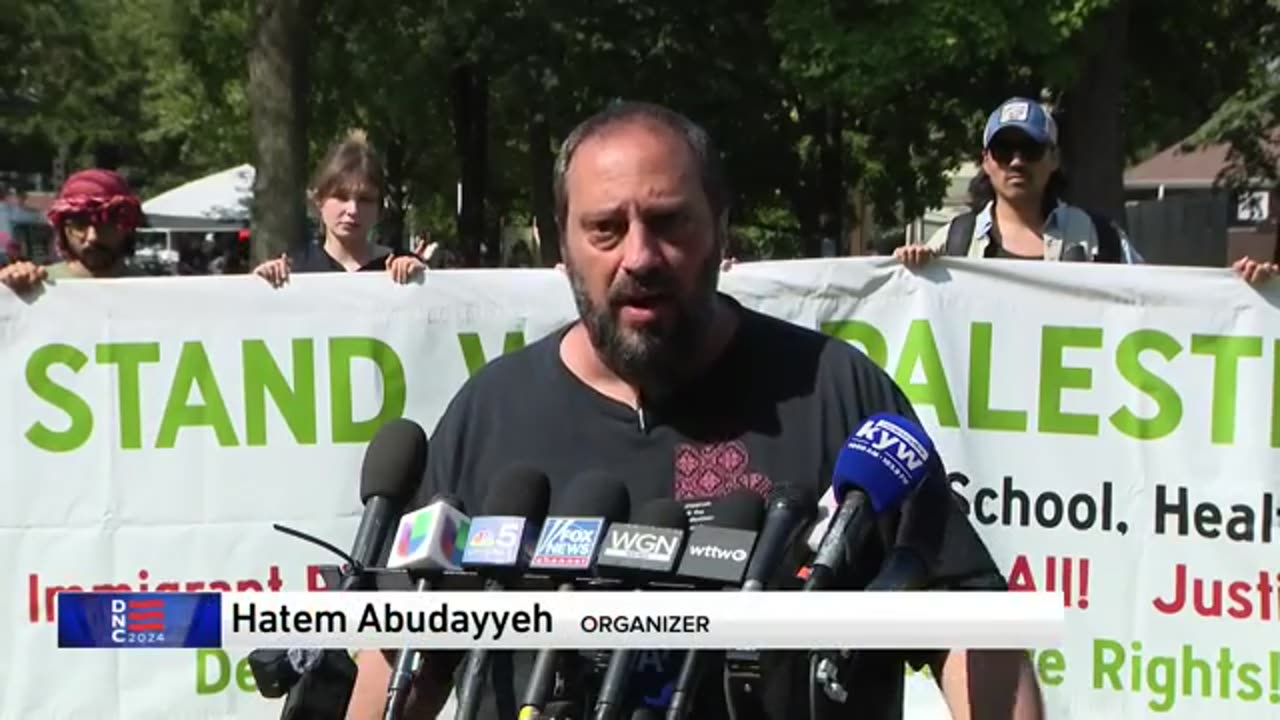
1026	115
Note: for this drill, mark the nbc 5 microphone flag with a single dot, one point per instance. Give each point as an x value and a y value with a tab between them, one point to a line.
139	620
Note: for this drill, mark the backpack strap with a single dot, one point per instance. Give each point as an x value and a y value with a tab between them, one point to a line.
960	234
1109	250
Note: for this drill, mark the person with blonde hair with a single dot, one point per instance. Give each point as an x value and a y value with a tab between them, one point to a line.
347	190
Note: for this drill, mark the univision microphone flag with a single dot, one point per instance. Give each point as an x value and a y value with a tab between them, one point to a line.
139	620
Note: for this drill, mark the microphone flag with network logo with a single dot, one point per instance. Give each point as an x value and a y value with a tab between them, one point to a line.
499	541
567	543
412	536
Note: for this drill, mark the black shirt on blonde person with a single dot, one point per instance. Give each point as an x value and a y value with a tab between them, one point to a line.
312	258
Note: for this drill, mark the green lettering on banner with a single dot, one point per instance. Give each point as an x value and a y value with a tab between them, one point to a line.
1226	351
194	371
79	414
864	334
128	357
1168	403
1055	378
211	683
296	403
1275	398
1050	666
1186	673
921	349
342	350
981	415
473	352
1108	662
244	676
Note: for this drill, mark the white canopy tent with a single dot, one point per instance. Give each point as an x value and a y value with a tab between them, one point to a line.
212	203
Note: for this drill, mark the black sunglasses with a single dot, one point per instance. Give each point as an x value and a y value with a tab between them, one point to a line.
1029	150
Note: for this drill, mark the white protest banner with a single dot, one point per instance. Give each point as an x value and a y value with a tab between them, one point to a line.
1116	429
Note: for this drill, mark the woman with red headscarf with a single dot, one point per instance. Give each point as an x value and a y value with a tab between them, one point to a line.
94	218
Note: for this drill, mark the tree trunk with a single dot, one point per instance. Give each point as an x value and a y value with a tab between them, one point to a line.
831	174
1092	134
391	229
470	127
542	166
279	55
806	199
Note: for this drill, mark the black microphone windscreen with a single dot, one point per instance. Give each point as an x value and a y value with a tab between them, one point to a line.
664	513
394	462
519	491
800	497
740	509
451	500
594	494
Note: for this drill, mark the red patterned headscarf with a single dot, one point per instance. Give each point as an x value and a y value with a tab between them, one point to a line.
100	197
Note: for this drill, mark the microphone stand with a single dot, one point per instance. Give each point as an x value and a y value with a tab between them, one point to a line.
402	674
471	685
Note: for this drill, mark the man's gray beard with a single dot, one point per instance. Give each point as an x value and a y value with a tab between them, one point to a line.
655	361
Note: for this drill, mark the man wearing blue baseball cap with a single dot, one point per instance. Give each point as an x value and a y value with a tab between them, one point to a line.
1017	211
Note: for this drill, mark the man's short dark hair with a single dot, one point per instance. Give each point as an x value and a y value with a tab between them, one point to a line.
695	138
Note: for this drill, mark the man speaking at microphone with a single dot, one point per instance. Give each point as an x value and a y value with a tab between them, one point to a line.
694	396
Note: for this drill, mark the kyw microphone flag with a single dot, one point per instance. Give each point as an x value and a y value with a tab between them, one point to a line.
139	620
464	620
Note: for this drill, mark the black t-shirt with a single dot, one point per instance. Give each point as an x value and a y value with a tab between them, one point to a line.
312	257
996	249
776	407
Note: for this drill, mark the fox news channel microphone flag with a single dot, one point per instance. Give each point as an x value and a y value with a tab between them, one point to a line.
1114	431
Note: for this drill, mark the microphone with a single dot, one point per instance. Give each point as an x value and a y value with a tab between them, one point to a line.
791	508
319	682
718	550
882	462
637	551
561	710
428	542
567	546
498	547
723	548
1076	253
885	460
392	469
920	540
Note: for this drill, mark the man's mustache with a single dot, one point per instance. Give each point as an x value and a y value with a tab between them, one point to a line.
635	287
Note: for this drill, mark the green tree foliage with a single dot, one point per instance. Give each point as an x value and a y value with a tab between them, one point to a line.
818	106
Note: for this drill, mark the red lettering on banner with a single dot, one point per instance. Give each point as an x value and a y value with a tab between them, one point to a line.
315	580
1067	575
1238	599
42	602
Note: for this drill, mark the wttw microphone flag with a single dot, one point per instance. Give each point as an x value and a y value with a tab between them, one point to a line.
659	620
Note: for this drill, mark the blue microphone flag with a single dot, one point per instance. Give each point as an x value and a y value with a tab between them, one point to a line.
886	457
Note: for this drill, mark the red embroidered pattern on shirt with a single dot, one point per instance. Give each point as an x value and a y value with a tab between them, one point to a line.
711	471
